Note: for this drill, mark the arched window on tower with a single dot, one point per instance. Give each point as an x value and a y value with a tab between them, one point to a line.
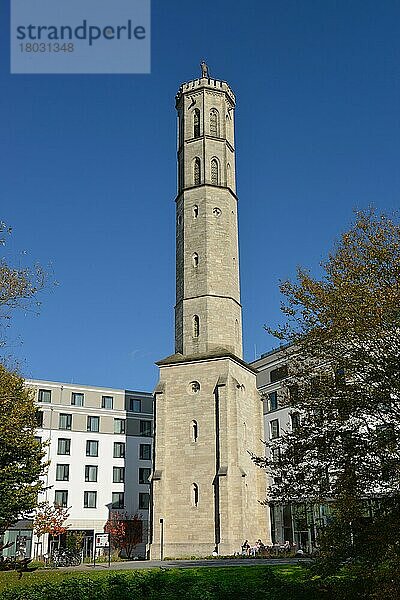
214	122
196	171
228	175
195	259
196	123
196	326
194	431
195	494
214	172
195	211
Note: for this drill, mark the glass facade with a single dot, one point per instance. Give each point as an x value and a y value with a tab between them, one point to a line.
298	524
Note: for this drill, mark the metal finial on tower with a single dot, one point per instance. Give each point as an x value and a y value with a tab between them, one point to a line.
204	69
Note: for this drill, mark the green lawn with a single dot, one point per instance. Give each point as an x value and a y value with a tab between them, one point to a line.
277	582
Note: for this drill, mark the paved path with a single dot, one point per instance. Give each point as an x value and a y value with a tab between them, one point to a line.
184	564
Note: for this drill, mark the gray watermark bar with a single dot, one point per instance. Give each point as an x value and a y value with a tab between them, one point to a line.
80	36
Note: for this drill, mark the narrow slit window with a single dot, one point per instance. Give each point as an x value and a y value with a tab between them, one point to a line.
195	494
195	211
236	329
195	259
196	123
195	431
196	326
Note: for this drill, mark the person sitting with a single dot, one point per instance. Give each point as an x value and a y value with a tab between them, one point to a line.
256	548
260	545
245	547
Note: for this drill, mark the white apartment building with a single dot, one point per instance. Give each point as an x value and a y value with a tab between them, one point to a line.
100	453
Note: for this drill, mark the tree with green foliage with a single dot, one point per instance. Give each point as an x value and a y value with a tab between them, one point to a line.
341	341
19	286
21	455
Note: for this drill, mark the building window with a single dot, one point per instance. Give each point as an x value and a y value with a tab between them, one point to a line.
63	446
274	429
318	415
195	211
38	439
195	431
61	498
144	474
293	392
228	174
119	450
197	171
194	387
44	396
135	405
340	377
145	451
93	423
278	374
386	436
77	399
273	400
195	259
92	448
214	172
275	455
217	212
196	123
195	494
62	473
237	330
214	122
91	473
119	425
295	418
107	402
196	326
39	418
118	474
145	428
144	500
65	421
118	500
89	499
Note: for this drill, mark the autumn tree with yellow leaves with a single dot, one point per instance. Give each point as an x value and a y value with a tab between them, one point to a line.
341	345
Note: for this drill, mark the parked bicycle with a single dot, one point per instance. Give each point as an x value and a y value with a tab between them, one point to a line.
65	558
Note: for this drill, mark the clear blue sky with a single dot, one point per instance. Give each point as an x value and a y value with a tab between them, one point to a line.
88	175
